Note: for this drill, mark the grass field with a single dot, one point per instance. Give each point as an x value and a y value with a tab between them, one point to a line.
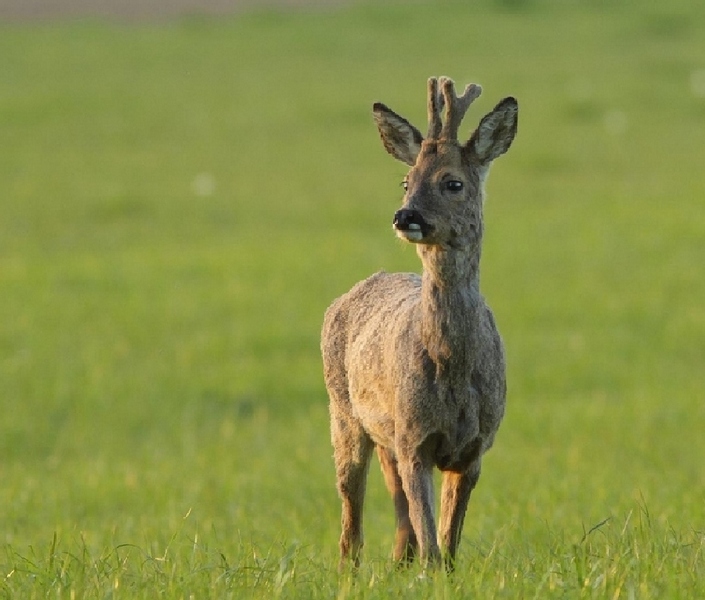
179	202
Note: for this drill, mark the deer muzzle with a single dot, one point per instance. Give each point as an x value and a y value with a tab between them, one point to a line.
410	225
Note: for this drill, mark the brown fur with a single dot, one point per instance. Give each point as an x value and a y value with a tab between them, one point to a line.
414	365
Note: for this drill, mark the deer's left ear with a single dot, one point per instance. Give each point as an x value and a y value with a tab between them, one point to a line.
495	132
400	138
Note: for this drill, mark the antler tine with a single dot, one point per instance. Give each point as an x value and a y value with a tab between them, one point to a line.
456	106
435	105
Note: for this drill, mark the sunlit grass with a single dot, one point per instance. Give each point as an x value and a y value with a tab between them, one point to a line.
180	202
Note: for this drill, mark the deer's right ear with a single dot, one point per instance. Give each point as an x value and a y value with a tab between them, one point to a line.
400	138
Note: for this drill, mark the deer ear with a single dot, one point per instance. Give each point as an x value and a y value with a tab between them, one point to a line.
400	138
495	132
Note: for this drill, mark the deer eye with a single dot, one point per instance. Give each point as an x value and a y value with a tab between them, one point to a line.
454	185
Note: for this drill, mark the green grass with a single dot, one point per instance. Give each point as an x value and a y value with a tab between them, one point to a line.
180	202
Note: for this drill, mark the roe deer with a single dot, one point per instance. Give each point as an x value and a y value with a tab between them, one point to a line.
414	365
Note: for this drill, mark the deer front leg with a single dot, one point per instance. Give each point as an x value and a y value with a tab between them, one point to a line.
405	540
455	495
352	454
417	481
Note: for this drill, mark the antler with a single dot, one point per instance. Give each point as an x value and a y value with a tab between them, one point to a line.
456	107
435	105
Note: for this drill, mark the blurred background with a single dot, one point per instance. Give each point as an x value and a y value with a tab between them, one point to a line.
159	10
185	186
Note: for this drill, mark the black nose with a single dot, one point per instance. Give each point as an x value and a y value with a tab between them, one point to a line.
405	218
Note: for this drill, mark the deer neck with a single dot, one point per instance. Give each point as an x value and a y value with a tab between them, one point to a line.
451	306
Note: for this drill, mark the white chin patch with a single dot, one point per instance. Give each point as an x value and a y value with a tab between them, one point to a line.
410	235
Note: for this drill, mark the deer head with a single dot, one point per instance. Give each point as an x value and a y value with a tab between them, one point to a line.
444	188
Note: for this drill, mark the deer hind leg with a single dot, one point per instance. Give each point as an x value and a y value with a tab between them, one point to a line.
455	495
352	454
405	543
